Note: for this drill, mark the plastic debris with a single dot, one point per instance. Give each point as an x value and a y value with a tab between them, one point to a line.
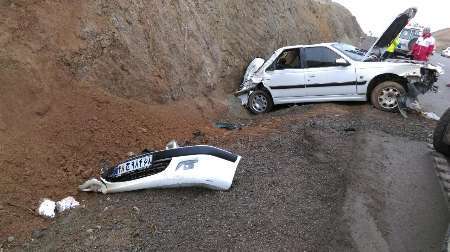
431	115
47	208
228	126
176	166
66	203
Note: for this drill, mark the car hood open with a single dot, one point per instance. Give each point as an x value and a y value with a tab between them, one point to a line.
393	30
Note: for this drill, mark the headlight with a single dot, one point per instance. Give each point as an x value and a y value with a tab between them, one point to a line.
187	165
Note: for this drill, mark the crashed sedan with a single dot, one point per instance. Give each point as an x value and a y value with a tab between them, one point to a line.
337	72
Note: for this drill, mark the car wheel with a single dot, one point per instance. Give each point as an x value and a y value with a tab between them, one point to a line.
260	102
441	135
384	96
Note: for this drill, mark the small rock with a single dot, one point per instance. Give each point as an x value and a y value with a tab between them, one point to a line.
105	209
135	208
11	238
130	154
90	231
38	233
98	227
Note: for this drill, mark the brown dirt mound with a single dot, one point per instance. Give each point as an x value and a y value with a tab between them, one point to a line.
442	38
66	143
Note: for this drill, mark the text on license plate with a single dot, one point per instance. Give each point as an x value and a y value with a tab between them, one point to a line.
134	165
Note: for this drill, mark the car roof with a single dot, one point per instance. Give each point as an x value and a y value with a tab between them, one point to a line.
301	46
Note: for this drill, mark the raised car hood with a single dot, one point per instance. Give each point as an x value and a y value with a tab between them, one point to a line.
393	30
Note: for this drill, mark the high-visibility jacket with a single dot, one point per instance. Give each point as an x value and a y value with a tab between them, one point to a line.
423	47
393	45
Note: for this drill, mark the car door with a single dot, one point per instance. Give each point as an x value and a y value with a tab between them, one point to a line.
285	77
328	73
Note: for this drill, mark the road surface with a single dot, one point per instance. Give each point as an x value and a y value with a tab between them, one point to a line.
440	101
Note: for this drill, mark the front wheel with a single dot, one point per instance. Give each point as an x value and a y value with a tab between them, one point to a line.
260	102
384	96
441	136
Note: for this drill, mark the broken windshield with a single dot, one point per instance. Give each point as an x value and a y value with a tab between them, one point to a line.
352	52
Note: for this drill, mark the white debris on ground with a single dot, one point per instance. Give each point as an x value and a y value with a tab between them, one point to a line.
66	203
431	115
48	208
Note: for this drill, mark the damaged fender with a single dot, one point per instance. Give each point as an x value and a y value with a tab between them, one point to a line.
249	82
192	166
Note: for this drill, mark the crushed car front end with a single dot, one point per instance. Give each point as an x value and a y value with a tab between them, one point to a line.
250	80
421	78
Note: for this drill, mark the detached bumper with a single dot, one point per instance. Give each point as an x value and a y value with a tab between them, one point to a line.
193	166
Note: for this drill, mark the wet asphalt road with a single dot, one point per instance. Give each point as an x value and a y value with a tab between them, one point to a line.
439	102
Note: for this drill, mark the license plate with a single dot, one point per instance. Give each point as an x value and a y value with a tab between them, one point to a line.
131	165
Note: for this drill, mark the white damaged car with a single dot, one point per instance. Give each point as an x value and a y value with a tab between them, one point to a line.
337	72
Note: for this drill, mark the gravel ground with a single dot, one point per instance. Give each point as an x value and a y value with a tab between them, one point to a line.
328	177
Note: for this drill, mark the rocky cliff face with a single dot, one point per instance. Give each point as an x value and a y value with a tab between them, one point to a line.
157	51
442	38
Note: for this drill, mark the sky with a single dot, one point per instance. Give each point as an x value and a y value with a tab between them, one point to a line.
376	16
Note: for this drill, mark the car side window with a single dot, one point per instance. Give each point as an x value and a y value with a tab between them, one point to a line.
288	59
320	57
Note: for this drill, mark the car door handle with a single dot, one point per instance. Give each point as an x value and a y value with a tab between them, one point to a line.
312	75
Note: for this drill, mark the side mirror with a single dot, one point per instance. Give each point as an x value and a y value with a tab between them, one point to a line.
342	62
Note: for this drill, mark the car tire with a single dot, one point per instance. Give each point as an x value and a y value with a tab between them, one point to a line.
440	134
384	96
260	102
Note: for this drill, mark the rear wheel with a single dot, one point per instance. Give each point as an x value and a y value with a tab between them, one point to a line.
260	102
441	136
384	96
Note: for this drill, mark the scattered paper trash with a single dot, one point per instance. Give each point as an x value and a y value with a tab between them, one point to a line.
47	208
66	203
431	115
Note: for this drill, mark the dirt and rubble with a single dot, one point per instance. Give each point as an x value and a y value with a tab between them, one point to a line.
357	176
86	81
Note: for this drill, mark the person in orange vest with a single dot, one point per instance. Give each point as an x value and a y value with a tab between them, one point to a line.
424	46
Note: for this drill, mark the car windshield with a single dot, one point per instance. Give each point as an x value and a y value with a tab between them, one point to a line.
352	52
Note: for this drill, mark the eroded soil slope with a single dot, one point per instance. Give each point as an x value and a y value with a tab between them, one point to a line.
442	38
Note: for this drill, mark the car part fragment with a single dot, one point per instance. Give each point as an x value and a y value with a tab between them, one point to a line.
192	166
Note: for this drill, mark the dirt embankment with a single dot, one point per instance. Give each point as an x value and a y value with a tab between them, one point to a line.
85	81
442	38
